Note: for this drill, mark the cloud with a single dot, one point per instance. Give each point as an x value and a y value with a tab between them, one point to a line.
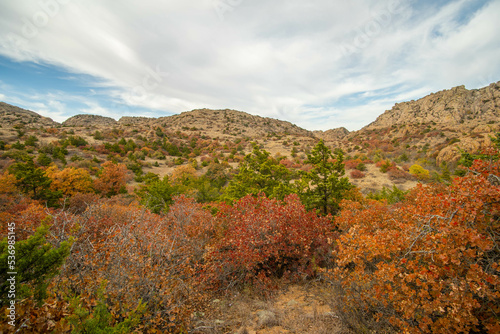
293	60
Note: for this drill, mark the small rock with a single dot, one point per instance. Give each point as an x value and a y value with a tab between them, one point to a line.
266	318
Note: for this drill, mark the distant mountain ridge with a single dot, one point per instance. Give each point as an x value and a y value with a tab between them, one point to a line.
451	107
11	115
456	107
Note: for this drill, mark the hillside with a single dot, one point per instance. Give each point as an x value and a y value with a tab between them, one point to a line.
456	107
429	131
85	120
435	127
11	116
218	219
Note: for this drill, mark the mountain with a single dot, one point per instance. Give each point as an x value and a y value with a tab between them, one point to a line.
332	134
429	131
457	107
11	116
86	120
230	122
435	127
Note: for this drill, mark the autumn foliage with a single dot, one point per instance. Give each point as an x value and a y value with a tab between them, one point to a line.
423	261
429	264
260	239
112	179
70	180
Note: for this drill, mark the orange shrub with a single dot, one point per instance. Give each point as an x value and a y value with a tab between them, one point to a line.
396	174
427	265
112	179
352	163
70	180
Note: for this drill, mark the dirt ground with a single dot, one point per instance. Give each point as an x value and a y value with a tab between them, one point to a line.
292	309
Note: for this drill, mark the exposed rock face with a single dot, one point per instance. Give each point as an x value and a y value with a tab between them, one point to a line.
12	115
90	121
451	107
332	134
452	153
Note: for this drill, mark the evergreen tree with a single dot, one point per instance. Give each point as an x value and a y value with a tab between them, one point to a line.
157	195
36	262
43	160
324	184
32	181
260	173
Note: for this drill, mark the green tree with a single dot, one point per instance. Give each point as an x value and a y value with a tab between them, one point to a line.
36	262
31	141
324	184
43	160
260	173
32	181
101	321
157	195
445	172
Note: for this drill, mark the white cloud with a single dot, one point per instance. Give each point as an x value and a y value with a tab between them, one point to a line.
280	59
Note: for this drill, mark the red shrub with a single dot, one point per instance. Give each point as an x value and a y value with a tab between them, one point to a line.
351	164
397	174
357	174
262	238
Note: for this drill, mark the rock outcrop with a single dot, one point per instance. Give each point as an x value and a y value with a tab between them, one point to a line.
452	107
332	134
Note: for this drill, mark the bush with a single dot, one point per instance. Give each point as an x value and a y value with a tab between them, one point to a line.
262	238
356	174
361	167
396	174
385	165
429	264
419	172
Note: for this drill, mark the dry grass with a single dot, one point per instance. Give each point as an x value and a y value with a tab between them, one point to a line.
301	308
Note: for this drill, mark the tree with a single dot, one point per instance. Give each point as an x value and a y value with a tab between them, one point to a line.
184	177
70	181
157	195
32	181
43	160
36	262
324	185
112	179
260	173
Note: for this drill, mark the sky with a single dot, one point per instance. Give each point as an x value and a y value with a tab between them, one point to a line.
320	64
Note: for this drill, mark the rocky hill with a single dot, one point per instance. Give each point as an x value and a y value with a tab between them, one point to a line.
430	131
85	120
11	116
230	122
435	127
332	134
454	107
210	122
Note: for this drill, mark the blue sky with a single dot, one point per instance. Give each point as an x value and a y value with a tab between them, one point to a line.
320	64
